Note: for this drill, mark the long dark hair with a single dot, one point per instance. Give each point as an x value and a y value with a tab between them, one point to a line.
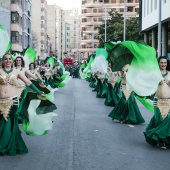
168	61
30	65
22	61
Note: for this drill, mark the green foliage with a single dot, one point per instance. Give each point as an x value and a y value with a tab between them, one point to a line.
115	27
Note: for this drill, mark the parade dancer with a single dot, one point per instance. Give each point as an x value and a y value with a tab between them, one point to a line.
126	111
48	75
11	142
113	94
158	130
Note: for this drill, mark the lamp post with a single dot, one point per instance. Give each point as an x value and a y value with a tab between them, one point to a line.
159	28
105	24
92	38
124	31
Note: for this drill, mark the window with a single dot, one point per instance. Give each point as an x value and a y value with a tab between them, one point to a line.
100	19
15	37
42	30
100	10
130	9
130	1
14	17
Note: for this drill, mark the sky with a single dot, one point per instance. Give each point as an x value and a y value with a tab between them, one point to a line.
66	3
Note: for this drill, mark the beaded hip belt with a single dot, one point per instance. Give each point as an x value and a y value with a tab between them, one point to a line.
164	106
126	92
5	105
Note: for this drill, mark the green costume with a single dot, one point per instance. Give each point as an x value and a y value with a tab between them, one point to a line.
127	110
11	142
113	94
158	130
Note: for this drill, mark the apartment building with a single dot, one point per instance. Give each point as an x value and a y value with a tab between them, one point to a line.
26	24
94	12
72	17
51	28
40	37
15	17
149	14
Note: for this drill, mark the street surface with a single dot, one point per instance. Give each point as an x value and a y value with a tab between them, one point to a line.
85	138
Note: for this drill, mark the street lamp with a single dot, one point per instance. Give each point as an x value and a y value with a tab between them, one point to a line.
105	23
93	38
159	28
124	31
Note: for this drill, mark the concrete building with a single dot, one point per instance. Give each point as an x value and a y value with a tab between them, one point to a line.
26	24
149	12
15	17
39	28
5	15
72	17
66	38
51	27
93	13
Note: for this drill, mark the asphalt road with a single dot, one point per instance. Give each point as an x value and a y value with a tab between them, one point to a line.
85	138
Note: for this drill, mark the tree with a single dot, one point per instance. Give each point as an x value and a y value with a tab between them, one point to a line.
115	27
132	29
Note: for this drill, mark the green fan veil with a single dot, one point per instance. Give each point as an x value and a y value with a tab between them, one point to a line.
144	74
100	62
4	41
29	56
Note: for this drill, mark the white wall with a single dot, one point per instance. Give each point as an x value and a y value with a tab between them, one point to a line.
150	15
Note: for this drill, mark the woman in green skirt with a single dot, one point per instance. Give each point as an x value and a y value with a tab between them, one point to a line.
11	142
126	111
113	94
158	130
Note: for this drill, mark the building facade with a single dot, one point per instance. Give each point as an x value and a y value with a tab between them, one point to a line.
51	28
15	17
149	15
92	15
26	24
40	37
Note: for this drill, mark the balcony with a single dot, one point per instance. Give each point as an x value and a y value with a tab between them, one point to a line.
89	41
91	15
16	27
87	49
90	23
16	7
16	47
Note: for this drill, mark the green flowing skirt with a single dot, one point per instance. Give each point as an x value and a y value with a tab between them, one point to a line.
127	110
113	95
158	130
96	85
50	82
11	142
102	89
19	112
92	82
